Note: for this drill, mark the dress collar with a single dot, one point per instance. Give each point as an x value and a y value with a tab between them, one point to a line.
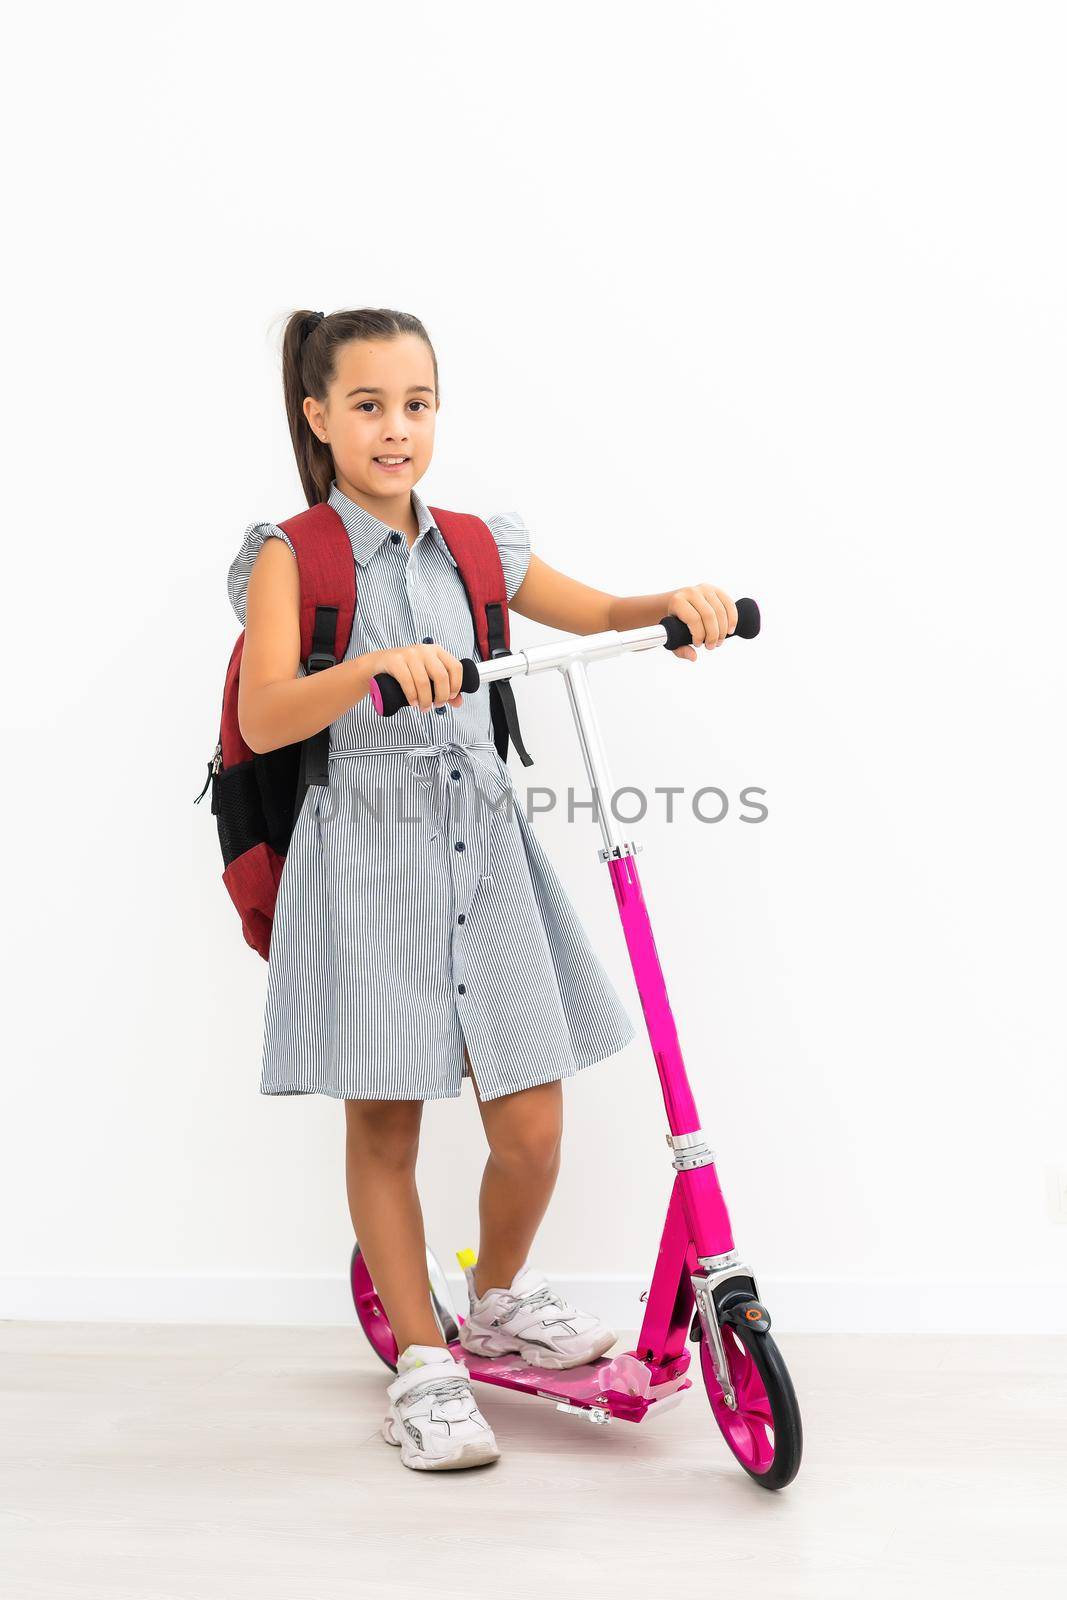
367	531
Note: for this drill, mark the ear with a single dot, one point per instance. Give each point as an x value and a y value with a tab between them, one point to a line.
316	417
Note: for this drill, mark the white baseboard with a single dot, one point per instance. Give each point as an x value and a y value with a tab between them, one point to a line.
865	1305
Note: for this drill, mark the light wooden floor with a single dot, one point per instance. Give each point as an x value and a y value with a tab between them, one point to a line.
141	1461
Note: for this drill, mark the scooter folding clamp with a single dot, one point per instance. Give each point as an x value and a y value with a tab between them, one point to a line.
690	1150
617	851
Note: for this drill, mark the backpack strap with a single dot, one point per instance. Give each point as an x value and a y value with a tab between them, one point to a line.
478	559
327	607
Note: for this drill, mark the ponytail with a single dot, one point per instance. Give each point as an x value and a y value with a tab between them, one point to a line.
310	347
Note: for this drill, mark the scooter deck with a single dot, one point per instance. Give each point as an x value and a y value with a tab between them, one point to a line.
623	1385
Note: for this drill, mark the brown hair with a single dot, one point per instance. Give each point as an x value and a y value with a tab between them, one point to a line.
309	365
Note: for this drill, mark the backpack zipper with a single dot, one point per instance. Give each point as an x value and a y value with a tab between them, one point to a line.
212	772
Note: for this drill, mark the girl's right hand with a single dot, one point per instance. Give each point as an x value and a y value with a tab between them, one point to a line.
427	674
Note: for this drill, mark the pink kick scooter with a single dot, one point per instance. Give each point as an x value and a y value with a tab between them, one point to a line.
700	1287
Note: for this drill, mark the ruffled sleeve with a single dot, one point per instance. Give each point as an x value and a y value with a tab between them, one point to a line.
513	541
241	566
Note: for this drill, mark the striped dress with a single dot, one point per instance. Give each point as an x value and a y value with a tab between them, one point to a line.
419	924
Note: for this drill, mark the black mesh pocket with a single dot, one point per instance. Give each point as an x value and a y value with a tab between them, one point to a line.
236	802
254	801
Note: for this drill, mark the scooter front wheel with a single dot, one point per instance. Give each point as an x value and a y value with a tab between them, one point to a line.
764	1432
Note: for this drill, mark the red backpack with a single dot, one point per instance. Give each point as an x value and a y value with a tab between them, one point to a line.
257	798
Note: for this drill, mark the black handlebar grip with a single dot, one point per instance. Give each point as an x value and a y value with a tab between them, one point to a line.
387	697
678	634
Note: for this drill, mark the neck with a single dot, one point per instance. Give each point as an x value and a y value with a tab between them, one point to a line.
397	510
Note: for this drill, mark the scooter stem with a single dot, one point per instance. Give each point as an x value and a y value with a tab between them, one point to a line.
619	854
697	1219
698	1211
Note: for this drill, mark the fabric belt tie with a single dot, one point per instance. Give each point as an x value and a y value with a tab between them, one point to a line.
490	783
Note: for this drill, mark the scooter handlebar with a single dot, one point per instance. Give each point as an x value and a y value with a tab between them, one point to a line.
387	697
678	634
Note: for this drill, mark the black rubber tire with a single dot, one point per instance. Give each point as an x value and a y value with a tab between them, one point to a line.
788	1430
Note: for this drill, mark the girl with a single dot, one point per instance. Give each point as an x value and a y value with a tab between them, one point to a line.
397	949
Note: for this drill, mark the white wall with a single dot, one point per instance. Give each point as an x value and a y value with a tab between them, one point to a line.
770	297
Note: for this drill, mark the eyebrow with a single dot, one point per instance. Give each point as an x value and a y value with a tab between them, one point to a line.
416	388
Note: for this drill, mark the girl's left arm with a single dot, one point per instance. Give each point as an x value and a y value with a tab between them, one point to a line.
548	596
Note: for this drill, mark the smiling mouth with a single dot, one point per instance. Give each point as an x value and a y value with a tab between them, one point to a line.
392	461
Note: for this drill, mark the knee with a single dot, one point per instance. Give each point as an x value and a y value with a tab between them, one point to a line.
384	1131
533	1146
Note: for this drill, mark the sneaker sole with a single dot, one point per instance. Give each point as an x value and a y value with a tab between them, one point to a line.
537	1356
474	1453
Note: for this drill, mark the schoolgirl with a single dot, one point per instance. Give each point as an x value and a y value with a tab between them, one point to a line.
424	941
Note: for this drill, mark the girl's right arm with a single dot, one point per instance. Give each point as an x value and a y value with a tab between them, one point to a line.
274	706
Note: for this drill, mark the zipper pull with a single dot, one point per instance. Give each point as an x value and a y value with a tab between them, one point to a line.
212	772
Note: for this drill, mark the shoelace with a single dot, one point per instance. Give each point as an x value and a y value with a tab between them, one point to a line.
443	1389
536	1301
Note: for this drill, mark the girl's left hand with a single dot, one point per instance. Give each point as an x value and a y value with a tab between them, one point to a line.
709	614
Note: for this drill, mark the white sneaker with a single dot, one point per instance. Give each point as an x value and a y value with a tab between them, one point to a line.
433	1415
532	1320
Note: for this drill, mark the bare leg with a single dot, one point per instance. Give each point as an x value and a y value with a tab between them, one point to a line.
381	1144
524	1131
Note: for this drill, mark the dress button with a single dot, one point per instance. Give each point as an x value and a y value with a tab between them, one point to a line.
427	640
396	537
460	845
440	710
455	774
463	988
461	918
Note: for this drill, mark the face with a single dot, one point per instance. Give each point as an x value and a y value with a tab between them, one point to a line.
382	402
